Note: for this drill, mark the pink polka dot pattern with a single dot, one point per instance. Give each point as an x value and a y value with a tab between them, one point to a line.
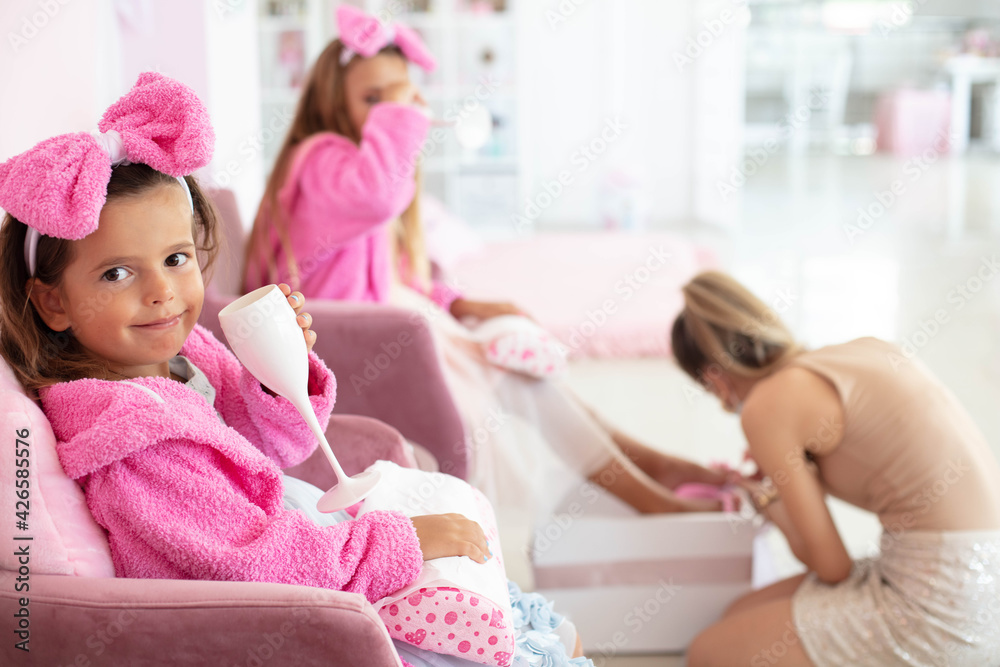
484	638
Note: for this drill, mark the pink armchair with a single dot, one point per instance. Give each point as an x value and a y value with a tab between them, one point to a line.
90	621
385	362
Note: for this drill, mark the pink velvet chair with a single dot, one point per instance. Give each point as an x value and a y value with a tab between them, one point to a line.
84	620
76	620
358	342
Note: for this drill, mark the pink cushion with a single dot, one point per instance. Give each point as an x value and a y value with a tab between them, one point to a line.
518	344
602	294
65	537
456	606
912	122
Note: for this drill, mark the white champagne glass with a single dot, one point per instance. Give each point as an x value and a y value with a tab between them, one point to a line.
473	127
264	336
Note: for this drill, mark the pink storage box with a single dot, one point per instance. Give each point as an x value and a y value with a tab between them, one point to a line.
644	583
910	122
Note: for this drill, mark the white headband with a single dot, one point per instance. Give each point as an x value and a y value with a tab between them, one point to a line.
388	33
111	141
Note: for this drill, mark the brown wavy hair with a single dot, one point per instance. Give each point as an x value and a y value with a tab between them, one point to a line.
38	355
323	108
723	325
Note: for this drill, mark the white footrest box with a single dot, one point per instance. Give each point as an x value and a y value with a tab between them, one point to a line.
636	583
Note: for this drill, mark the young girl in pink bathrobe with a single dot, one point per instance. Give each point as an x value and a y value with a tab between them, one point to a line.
177	447
340	220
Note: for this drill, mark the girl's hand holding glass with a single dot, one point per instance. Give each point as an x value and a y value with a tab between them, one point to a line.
297	301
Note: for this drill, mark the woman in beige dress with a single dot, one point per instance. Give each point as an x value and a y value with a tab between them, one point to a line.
864	423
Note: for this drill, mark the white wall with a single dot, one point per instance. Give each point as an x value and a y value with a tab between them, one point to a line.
718	101
233	73
210	45
583	64
65	66
54	74
586	68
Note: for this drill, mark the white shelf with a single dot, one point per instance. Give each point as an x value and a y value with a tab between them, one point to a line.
493	163
282	23
421	21
458	38
492	21
472	164
459	41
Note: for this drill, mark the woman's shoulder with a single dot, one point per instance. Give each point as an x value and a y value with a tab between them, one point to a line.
784	388
792	397
862	345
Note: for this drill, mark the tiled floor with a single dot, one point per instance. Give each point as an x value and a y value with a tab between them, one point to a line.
803	240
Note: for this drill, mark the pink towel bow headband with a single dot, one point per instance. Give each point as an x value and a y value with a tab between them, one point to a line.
59	187
363	34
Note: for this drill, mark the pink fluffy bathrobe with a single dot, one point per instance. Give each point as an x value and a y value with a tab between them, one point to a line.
184	496
338	199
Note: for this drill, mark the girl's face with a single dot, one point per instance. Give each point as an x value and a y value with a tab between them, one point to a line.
367	82
133	291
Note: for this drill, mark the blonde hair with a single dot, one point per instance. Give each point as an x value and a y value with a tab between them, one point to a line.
723	325
323	108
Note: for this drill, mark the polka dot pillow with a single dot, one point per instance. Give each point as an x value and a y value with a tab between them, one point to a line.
456	606
518	344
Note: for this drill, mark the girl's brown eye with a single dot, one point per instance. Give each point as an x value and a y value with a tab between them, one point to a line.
115	275
177	259
371	99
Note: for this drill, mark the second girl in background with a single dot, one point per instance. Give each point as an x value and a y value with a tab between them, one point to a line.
345	186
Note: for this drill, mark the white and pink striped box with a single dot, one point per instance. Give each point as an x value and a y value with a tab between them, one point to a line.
644	583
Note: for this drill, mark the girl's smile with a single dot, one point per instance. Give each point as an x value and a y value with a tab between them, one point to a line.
158	325
133	290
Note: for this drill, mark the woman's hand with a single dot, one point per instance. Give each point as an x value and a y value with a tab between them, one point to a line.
443	535
758	474
762	492
298	302
484	310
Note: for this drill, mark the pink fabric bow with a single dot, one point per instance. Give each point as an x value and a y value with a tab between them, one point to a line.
365	35
59	187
